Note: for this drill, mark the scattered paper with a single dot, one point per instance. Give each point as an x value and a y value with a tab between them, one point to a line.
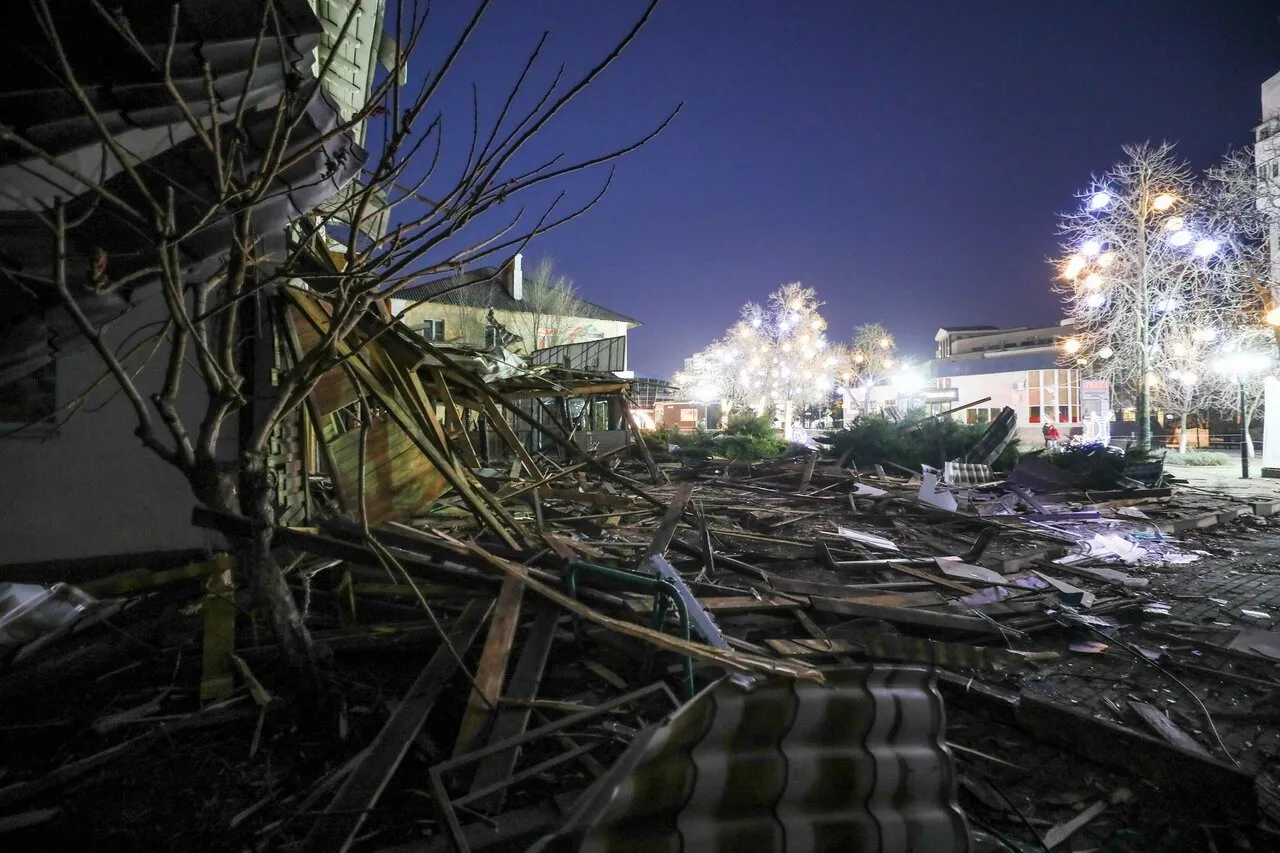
930	494
1089	647
1110	544
862	490
1255	614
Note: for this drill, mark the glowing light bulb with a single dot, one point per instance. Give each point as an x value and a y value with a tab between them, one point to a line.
1164	201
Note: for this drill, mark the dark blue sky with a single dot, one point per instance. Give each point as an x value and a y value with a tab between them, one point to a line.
907	159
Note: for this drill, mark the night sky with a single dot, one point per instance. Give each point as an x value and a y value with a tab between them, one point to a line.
906	159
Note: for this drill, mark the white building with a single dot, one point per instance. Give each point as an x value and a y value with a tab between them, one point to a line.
1017	368
88	488
1266	152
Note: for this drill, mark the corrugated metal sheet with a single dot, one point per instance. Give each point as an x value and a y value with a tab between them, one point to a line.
858	765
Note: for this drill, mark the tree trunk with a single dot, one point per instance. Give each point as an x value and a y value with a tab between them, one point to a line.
257	567
1182	435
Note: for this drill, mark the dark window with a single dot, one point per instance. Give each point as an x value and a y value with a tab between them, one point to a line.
29	401
1033	415
432	330
492	336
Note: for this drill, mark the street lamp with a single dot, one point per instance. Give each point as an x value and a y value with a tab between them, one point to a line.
1240	365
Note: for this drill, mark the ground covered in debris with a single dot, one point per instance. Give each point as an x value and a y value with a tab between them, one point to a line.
1105	657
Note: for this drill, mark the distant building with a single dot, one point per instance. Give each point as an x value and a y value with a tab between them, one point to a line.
1266	152
492	305
1017	368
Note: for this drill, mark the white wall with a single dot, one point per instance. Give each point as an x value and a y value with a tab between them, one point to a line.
91	488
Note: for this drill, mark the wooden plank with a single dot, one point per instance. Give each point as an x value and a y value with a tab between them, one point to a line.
655	473
462	446
667	528
904	615
1166	728
840	590
726	604
1211	787
500	425
337	827
1060	833
808	472
492	670
592	498
512	720
927	598
137	580
317	316
217	679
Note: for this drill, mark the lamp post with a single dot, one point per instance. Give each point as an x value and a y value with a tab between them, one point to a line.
1239	365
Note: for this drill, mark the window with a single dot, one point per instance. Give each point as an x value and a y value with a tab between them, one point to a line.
1033	415
547	337
433	330
1275	168
492	336
30	402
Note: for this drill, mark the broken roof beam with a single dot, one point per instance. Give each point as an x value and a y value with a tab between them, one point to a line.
482	699
336	829
513	720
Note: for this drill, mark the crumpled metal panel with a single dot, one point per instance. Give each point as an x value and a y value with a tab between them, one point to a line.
857	765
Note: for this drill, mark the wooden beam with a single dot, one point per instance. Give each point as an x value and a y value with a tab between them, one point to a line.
1166	728
655	473
904	615
727	604
667	528
492	671
807	475
499	421
319	319
216	676
512	720
336	829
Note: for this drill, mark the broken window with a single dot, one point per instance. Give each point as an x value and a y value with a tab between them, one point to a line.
30	401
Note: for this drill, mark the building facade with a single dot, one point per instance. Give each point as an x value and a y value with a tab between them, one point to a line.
986	369
491	306
84	486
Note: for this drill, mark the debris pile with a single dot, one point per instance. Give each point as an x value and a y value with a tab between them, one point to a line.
532	640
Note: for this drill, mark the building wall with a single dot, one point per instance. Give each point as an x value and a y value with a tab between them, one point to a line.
1267	158
465	324
1035	395
90	488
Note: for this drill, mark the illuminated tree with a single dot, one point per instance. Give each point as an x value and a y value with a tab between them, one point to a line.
1137	256
872	360
776	357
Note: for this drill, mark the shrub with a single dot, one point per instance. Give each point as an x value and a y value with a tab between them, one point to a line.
913	442
1197	458
746	436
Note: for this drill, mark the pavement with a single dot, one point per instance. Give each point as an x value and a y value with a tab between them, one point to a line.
1226	480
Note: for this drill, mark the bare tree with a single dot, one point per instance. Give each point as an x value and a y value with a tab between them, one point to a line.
776	357
549	301
199	236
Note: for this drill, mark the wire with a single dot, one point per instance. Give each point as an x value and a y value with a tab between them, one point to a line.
1158	668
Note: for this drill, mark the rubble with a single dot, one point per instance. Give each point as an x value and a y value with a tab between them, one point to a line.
525	632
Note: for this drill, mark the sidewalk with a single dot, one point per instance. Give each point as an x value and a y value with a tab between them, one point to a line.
1226	480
